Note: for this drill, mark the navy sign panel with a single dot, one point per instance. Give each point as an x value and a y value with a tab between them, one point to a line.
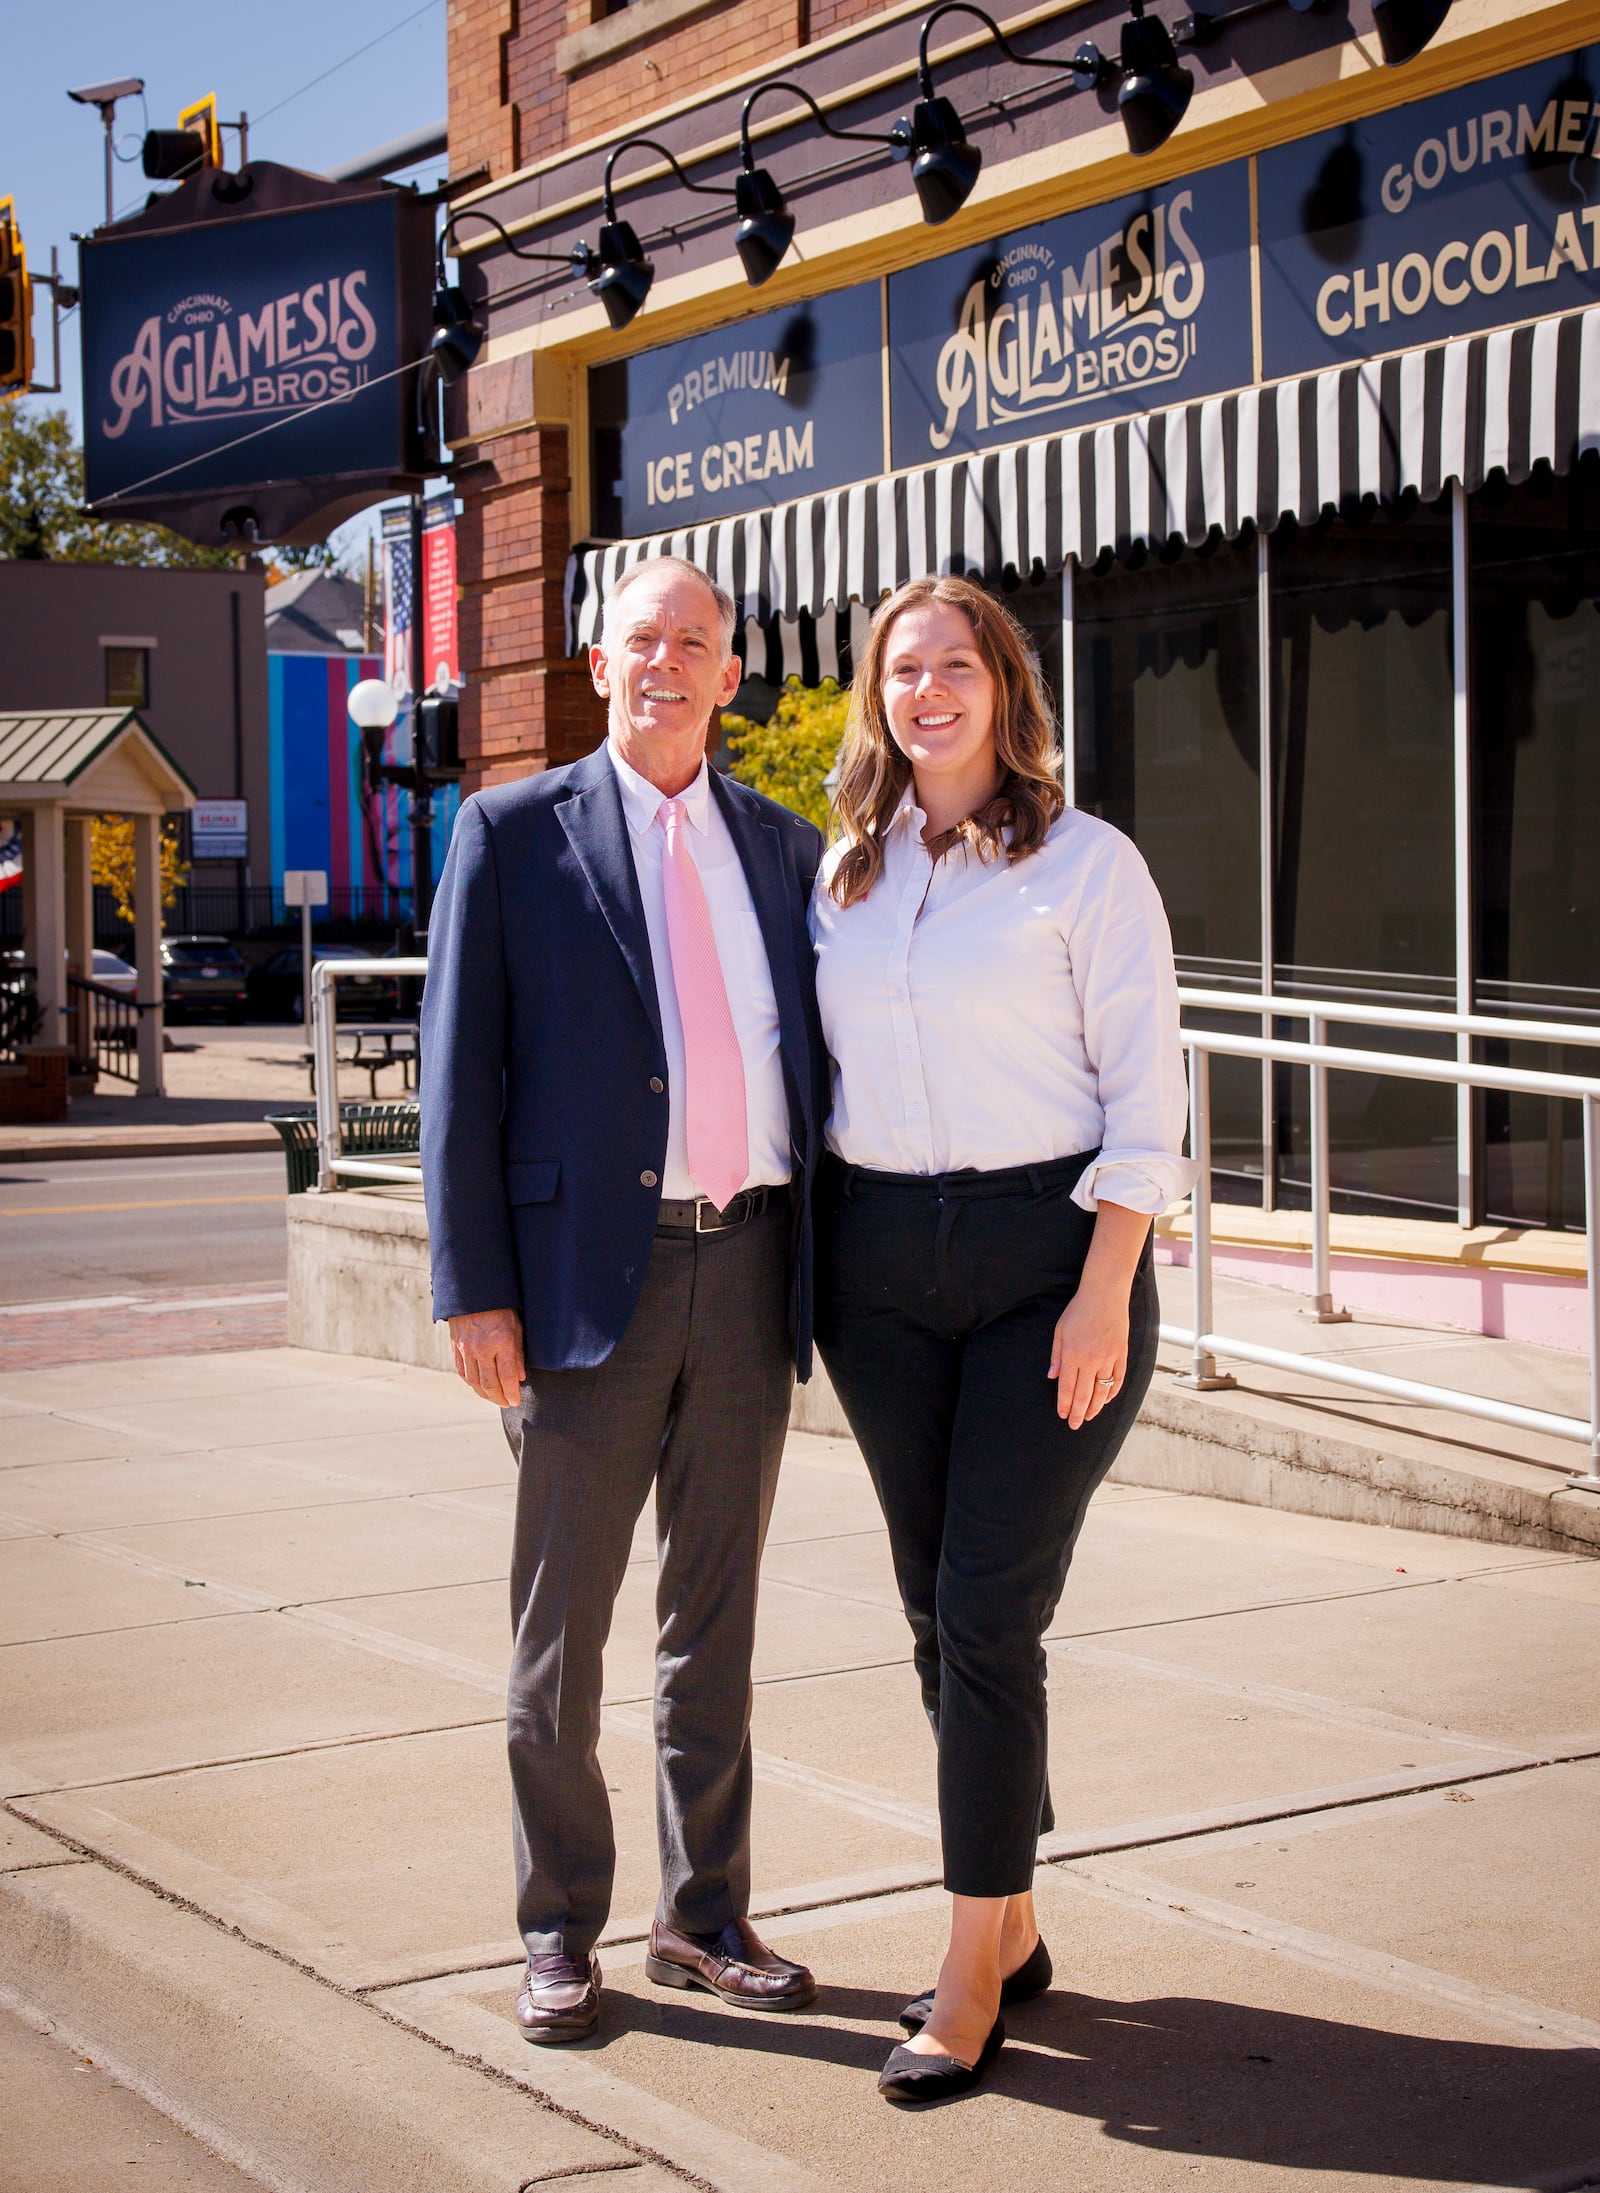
1472	210
1120	309
196	338
755	414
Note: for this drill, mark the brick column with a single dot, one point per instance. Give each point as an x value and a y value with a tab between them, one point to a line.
527	705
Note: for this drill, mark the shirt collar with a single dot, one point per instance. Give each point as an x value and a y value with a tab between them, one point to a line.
908	816
641	801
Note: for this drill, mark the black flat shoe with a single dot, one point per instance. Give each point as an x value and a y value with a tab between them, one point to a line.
911	2078
1032	1977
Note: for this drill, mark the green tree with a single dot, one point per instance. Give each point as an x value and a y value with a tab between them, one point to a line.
41	504
789	757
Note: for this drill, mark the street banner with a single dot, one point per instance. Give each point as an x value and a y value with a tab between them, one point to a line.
782	405
441	647
1120	309
1472	210
247	353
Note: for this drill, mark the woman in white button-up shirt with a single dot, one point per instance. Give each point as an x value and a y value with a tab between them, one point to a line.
995	975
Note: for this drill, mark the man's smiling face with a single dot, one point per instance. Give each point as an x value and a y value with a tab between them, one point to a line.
663	670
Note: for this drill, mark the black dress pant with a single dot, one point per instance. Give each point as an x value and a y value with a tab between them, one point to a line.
937	1302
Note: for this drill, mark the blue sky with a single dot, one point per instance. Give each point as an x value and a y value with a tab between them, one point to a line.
262	60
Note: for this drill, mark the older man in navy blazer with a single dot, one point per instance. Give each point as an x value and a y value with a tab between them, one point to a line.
622	1099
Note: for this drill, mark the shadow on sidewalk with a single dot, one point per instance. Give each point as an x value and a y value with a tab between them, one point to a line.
1188	2076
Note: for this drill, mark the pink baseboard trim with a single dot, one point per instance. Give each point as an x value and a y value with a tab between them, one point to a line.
1530	1306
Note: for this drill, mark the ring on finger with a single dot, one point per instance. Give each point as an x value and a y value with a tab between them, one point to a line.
1105	1382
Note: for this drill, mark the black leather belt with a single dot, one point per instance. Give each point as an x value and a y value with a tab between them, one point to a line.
699	1215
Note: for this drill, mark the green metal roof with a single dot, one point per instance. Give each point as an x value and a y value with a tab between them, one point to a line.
54	746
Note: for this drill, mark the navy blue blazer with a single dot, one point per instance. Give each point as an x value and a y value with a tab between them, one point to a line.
544	1107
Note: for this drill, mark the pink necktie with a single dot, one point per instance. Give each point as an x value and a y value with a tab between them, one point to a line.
715	1125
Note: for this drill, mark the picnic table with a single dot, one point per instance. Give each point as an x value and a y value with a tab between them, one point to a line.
374	1044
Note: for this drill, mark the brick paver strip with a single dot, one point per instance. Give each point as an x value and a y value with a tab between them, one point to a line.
54	1338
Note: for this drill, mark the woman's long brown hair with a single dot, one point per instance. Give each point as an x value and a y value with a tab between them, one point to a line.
873	772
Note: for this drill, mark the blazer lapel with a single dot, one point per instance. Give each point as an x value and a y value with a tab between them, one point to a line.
597	830
760	856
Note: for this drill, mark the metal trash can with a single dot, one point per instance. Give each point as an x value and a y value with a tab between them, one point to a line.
368	1130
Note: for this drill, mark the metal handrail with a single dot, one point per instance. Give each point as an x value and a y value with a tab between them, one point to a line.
1205	1345
1493	1028
331	1162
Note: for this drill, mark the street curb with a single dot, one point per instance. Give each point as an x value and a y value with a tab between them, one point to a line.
230	1140
304	2087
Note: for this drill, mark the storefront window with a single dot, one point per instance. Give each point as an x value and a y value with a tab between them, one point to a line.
1536	702
1168	749
1363	785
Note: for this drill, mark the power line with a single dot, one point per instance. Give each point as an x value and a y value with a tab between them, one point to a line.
290	418
426	8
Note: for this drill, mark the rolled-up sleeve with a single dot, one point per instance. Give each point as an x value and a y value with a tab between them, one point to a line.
1121	952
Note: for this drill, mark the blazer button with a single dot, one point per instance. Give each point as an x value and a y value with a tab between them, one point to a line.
648	1180
657	1085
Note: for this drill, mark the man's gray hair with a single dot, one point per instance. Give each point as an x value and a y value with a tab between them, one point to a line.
727	614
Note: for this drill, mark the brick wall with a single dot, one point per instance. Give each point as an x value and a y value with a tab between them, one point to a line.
828	16
734	38
526	705
484	118
533	84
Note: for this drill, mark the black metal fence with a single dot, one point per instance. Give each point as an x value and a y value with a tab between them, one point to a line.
103	1030
352	915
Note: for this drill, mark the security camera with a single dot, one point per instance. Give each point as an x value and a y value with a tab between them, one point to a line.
107	95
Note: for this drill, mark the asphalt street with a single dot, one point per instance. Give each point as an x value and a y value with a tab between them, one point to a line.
90	1228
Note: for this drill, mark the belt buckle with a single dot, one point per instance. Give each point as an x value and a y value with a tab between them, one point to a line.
704	1204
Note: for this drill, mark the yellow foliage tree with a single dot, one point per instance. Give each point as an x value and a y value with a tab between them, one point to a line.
111	861
789	757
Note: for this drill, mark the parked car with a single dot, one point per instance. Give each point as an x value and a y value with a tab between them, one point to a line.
114	973
275	986
202	975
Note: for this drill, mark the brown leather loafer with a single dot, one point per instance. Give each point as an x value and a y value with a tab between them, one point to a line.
734	1964
560	1999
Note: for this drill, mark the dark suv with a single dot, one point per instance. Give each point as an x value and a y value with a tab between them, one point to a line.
276	986
202	975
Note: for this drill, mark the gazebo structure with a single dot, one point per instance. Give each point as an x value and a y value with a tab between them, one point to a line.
58	770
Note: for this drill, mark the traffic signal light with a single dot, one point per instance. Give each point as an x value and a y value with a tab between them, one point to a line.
438	755
16	307
196	143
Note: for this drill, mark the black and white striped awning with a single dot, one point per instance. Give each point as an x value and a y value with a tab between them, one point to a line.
1414	422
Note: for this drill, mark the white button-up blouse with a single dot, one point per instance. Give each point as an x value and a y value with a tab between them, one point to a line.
983	1014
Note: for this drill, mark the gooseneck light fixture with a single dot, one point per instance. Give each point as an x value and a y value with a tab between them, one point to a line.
622	275
1155	91
1153	95
457	334
766	226
944	165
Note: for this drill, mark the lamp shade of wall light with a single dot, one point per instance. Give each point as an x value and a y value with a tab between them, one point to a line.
457	337
1155	91
944	166
622	277
766	226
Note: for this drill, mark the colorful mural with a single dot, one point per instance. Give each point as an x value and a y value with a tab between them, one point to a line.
320	817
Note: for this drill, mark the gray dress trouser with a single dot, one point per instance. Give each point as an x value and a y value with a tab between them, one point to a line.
694	1398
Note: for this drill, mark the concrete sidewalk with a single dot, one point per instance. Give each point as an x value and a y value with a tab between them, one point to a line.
1321	1899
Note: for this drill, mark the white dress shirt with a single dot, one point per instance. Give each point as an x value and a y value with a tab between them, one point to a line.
745	974
983	1014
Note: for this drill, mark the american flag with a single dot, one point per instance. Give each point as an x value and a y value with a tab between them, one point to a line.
397	610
